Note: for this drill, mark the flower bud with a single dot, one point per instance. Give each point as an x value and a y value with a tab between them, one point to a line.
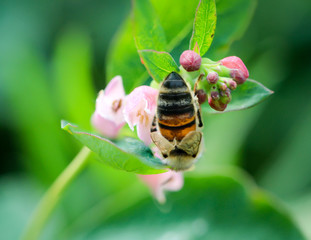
238	71
214	100
190	60
214	95
201	95
237	76
212	77
225	96
223	86
232	84
216	104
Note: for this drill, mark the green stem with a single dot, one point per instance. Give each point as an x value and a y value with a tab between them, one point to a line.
51	197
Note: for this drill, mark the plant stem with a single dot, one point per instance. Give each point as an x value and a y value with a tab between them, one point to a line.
51	197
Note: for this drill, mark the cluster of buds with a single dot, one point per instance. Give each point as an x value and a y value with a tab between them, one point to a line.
222	77
219	92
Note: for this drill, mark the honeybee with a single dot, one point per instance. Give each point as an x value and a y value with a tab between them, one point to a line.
176	127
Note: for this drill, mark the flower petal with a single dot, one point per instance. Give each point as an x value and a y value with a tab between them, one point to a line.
105	126
115	88
139	111
143	132
108	118
159	183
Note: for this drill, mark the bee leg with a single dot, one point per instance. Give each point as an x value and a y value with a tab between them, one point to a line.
197	82
191	143
198	107
162	143
199	118
154	125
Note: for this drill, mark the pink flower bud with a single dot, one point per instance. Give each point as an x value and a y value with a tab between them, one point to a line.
140	109
218	101
238	76
225	96
201	95
232	84
222	86
238	71
190	60
214	95
216	104
108	116
159	183
212	77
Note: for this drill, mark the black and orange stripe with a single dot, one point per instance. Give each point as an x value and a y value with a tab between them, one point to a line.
176	112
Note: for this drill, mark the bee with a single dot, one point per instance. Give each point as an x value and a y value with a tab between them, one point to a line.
176	127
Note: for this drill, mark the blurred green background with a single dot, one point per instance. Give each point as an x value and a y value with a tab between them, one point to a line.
52	64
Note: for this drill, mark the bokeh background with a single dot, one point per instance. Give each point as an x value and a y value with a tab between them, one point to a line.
52	64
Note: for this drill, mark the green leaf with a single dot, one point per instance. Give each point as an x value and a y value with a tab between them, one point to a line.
244	96
149	35
204	26
148	31
217	206
128	154
158	64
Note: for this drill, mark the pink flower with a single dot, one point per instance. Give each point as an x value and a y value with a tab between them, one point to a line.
108	117
159	183
140	109
239	71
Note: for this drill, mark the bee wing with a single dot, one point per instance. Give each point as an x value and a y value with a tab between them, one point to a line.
191	143
162	143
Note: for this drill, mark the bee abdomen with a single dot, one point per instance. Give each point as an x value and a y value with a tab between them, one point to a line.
176	110
178	132
174	100
177	128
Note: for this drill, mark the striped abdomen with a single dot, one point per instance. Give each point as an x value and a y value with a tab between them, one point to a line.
176	111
